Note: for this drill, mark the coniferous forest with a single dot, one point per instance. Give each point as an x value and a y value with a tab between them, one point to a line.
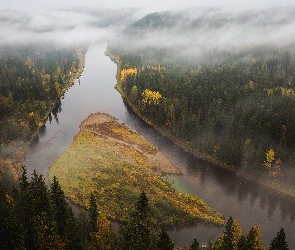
32	81
232	105
35	216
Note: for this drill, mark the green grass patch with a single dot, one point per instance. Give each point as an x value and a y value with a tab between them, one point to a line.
117	173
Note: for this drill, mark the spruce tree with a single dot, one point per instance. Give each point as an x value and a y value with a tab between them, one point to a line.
11	233
195	245
35	211
230	236
253	238
242	243
137	233
164	241
92	213
67	224
279	242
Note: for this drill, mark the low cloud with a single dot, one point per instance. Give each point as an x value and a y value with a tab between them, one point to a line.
63	27
193	33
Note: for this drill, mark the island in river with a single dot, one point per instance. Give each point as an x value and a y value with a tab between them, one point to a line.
116	165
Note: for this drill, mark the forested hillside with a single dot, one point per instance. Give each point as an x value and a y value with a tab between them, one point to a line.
35	216
233	103
32	80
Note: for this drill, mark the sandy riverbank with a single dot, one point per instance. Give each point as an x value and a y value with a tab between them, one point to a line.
99	125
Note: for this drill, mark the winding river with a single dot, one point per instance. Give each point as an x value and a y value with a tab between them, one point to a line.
229	194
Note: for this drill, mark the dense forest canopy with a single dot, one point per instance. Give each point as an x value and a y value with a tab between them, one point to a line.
222	83
32	81
35	216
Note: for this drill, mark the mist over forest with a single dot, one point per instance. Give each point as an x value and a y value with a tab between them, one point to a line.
192	31
192	35
217	80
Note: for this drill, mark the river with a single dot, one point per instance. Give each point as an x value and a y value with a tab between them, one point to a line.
227	193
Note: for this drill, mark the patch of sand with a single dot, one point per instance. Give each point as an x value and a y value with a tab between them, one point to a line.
162	165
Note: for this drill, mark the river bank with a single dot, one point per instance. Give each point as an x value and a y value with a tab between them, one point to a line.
116	164
275	186
269	182
224	191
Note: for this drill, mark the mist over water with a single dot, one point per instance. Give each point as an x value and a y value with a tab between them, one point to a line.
199	31
223	190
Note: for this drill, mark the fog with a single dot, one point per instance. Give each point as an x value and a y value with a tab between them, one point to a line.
65	27
88	22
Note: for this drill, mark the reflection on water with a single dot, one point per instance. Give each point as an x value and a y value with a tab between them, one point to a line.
223	190
55	110
245	200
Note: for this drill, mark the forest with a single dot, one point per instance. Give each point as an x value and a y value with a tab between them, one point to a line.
231	104
32	81
34	216
234	107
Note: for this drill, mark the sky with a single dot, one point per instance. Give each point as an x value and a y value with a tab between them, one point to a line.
155	5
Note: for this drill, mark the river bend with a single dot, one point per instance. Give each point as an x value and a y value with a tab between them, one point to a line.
227	193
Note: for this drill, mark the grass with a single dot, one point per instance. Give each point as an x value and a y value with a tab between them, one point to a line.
116	170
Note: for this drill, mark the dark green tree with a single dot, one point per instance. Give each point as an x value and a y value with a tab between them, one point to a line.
137	234
11	231
229	237
242	243
253	239
23	181
163	241
67	224
35	211
279	242
195	245
92	213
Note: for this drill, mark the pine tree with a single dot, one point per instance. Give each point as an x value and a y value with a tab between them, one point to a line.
23	181
35	211
195	245
230	236
253	238
242	243
164	241
92	213
11	233
279	242
44	233
67	224
137	232
102	239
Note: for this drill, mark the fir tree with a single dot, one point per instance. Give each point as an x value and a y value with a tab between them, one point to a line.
93	213
164	241
253	238
11	233
137	233
230	236
242	243
279	242
195	245
67	224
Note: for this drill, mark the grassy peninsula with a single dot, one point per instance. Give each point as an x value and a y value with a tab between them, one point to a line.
117	164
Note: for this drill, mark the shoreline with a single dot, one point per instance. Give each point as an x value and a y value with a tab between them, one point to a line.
267	184
115	163
203	157
163	165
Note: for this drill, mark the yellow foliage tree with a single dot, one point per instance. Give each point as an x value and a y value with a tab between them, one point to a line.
270	157
272	164
127	72
151	97
102	238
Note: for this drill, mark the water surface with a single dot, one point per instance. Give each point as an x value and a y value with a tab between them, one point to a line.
229	194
